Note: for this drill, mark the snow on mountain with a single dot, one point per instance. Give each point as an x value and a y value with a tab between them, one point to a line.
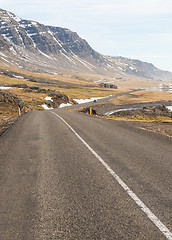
40	48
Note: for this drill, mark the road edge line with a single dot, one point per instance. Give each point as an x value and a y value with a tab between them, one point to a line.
136	199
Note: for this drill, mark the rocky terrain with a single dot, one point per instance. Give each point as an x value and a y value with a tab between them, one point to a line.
8	109
9	102
150	112
7	97
35	47
28	48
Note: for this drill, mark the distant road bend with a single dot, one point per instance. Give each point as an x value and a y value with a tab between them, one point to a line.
66	175
105	99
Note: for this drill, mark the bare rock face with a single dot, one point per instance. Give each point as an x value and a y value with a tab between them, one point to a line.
31	42
40	48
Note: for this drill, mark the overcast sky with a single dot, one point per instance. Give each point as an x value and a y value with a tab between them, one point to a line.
139	29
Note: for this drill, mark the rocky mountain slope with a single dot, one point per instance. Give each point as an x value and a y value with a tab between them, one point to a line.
36	47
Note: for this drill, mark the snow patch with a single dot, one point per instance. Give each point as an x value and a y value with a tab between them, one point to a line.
65	105
1	27
109	65
86	64
6	38
13	50
121	68
29	36
6	60
67	56
4	88
55	38
17	19
34	23
98	81
21	77
21	39
45	107
110	82
132	68
2	54
48	99
81	101
170	108
44	54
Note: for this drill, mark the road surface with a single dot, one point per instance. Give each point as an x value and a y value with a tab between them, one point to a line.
54	186
104	99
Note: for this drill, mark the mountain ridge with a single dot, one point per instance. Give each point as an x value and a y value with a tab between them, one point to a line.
37	47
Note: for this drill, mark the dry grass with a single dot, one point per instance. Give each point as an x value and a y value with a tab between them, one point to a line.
74	86
136	83
87	92
5	80
75	79
142	97
71	91
27	96
31	100
143	118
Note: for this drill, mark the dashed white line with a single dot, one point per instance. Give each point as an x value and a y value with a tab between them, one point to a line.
137	200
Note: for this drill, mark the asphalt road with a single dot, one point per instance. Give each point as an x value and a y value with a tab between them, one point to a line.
53	187
104	99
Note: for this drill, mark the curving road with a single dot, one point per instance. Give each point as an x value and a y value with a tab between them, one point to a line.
66	175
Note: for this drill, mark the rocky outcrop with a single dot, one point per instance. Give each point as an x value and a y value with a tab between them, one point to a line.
160	110
57	99
7	97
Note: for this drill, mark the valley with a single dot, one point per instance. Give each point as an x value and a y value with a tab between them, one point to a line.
34	87
85	139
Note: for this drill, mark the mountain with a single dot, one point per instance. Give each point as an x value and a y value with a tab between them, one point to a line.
36	47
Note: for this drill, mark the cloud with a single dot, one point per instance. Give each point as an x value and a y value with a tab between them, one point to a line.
128	7
132	7
113	27
162	36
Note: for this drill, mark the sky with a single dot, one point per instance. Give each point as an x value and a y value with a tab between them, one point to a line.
138	29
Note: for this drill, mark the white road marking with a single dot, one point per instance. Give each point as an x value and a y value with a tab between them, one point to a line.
137	200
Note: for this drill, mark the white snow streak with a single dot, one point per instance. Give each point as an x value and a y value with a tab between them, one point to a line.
6	60
3	54
45	107
13	50
21	77
170	108
29	36
81	101
86	64
4	88
34	23
21	39
44	54
48	99
65	105
55	38
67	56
